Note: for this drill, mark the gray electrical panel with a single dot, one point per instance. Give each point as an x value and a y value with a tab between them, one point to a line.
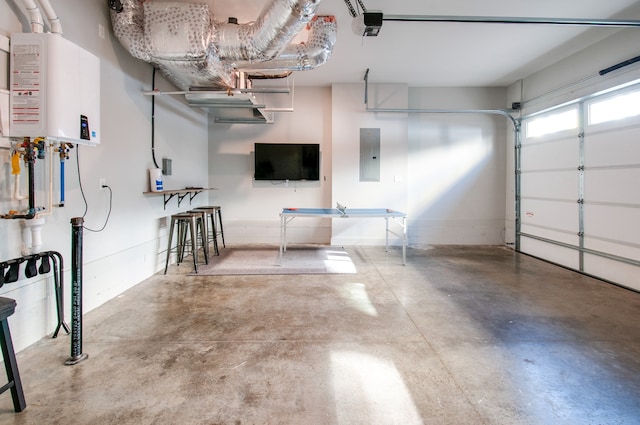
369	154
166	166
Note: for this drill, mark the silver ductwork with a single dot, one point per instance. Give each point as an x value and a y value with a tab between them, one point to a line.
304	56
194	52
262	40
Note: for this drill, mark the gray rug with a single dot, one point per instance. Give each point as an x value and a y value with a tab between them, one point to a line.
265	260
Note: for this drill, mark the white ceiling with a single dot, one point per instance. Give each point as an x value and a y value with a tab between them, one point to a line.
429	54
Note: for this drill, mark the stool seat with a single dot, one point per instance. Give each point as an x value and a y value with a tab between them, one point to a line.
7	308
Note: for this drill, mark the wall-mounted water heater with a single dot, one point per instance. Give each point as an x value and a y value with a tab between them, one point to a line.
55	89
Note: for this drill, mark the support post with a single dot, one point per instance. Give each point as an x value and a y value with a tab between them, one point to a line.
76	293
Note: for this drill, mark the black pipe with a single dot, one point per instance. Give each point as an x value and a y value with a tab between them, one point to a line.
58	275
31	166
619	65
76	293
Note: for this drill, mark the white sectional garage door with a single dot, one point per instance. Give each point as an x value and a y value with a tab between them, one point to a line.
579	186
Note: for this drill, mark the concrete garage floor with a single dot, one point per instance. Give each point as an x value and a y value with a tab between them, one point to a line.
460	335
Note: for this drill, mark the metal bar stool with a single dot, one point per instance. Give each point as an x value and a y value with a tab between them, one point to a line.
219	228
202	232
217	223
200	241
210	219
7	308
186	226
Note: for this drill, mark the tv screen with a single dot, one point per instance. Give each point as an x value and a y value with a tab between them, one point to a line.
287	161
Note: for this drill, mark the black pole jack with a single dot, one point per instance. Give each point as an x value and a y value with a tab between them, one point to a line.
76	293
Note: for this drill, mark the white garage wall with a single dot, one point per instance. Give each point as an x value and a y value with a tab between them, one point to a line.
131	248
447	172
557	84
250	209
457	167
349	116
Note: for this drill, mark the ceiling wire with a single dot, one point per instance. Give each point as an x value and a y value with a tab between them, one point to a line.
352	11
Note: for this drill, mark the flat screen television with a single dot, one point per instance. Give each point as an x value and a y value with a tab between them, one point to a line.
287	161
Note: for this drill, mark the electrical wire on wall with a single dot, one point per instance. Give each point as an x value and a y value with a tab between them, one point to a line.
86	205
153	119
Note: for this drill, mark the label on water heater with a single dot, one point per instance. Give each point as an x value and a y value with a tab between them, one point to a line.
26	84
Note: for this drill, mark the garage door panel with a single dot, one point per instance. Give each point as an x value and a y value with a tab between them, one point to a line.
554	185
551	155
555	253
551	234
616	248
615	271
612	147
548	214
619	186
612	223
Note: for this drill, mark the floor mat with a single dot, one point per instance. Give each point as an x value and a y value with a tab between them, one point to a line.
266	260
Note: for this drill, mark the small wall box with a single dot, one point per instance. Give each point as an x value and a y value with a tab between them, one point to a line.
55	89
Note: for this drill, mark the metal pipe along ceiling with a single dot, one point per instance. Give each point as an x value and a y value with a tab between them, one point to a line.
194	51
513	20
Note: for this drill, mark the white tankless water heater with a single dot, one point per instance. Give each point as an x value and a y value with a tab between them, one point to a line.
55	89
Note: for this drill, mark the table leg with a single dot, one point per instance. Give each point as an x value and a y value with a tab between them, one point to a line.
283	224
404	241
386	235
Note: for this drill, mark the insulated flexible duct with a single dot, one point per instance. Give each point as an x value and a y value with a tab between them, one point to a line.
304	56
262	40
193	51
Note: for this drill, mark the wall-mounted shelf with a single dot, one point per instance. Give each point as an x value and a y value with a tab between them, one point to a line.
191	192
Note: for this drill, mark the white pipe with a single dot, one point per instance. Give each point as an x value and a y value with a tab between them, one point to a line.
32	236
49	150
16	189
514	20
37	23
52	17
36	234
25	249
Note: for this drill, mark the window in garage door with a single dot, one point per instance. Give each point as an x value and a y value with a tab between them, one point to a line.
580	186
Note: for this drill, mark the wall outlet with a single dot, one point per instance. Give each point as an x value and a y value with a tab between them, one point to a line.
103	182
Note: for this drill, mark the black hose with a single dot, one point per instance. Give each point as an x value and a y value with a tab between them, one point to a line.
153	119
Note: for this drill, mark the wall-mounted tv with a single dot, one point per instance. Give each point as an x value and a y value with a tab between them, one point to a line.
287	161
